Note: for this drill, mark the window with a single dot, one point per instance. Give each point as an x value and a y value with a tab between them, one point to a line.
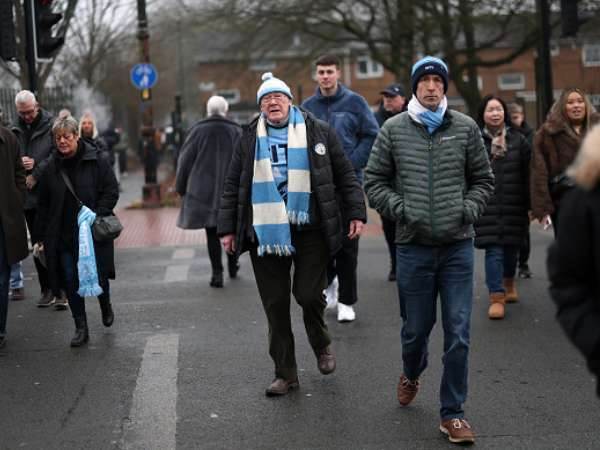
511	81
479	81
231	95
591	55
367	68
264	65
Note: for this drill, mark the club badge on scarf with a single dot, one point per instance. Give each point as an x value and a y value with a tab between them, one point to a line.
86	264
271	216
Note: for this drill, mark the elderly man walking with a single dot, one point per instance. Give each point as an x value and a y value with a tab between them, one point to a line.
34	133
13	233
429	171
201	170
279	202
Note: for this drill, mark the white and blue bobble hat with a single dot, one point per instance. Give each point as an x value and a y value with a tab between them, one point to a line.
272	84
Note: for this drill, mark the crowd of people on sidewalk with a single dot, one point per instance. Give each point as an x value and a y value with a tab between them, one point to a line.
290	187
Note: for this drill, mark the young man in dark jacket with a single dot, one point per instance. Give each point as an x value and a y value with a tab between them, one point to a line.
354	123
13	234
279	202
430	172
34	133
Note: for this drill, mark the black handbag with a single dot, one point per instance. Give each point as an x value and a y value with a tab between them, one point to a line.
104	228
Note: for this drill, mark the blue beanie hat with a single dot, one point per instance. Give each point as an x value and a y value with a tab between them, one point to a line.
429	65
272	84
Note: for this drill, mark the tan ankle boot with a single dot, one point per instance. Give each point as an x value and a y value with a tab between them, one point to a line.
511	290
496	310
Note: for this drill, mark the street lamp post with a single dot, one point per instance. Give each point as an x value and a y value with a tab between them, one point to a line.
151	189
543	67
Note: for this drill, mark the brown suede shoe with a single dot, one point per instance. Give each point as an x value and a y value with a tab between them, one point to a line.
279	386
458	431
407	390
326	361
496	310
510	287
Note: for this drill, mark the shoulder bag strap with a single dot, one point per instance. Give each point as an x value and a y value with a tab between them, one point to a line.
70	186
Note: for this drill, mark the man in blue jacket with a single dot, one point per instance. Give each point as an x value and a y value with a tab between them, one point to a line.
355	125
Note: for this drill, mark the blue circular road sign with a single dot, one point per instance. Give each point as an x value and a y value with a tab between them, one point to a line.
144	75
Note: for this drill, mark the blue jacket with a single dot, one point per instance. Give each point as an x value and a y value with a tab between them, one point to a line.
352	119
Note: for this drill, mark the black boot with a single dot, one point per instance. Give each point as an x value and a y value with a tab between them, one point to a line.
216	280
233	265
81	332
108	316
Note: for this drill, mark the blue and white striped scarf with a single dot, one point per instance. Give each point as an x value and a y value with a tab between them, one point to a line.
432	120
86	263
271	216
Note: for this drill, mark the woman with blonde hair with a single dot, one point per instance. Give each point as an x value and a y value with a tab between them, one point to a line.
554	148
574	258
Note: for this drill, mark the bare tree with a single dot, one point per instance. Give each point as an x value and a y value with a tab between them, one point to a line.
393	32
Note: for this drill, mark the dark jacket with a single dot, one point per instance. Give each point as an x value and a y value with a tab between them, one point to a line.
527	132
554	148
334	188
434	186
350	116
201	170
574	272
505	220
39	146
381	115
12	196
96	186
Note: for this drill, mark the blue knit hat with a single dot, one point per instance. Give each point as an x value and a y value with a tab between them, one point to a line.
272	84
429	65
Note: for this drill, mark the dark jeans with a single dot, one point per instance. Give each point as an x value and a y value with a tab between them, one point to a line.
215	252
344	264
4	282
68	263
500	262
42	272
525	249
389	231
274	283
422	273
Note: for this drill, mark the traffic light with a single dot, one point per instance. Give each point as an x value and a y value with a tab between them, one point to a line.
46	43
8	47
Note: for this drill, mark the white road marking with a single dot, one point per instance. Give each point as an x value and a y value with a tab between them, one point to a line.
184	253
153	416
177	273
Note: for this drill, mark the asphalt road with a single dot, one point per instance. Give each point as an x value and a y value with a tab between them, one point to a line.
185	366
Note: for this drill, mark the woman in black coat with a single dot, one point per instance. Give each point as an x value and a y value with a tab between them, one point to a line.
503	226
94	183
574	257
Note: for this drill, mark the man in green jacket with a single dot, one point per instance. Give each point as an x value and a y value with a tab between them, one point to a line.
429	171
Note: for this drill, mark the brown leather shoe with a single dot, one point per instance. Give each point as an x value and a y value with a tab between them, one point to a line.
407	390
17	294
326	361
279	386
458	431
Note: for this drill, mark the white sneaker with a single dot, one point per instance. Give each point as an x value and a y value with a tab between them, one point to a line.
331	293
345	313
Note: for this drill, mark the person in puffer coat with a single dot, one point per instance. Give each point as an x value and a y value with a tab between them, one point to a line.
574	257
503	226
429	171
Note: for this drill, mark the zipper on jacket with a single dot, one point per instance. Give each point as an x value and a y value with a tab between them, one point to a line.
430	155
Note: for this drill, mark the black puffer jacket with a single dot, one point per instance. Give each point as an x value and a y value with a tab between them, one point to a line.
505	220
335	188
96	186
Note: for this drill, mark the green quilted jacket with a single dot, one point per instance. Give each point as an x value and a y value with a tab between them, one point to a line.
434	186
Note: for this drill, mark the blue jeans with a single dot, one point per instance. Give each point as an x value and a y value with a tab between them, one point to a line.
68	264
500	262
4	283
16	276
422	273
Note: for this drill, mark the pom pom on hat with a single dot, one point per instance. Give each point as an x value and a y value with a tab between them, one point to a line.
271	84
